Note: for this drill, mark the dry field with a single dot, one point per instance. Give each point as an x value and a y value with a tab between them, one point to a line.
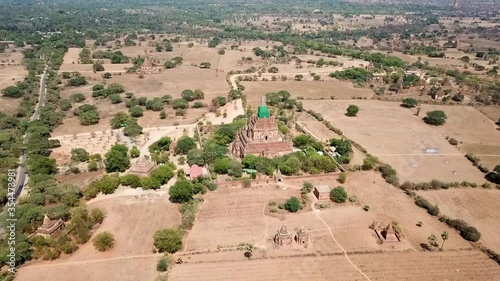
399	138
133	221
478	207
350	223
11	72
314	90
490	111
220	223
460	265
81	180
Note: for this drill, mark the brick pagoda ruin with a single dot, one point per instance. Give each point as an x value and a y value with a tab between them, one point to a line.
50	228
283	237
142	167
388	234
260	136
302	238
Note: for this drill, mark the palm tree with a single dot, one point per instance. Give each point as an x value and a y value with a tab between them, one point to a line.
445	237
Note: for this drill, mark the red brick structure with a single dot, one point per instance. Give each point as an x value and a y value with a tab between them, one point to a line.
388	234
50	228
302	238
283	237
142	167
322	192
261	137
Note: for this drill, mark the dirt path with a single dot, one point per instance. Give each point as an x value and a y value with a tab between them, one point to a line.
316	212
97	260
195	223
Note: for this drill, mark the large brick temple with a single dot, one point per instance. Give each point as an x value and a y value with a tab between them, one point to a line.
260	136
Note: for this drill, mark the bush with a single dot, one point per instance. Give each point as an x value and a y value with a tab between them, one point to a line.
453	141
352	110
162	264
410	103
103	241
470	233
436	118
293	204
168	240
338	194
307	187
342	178
369	162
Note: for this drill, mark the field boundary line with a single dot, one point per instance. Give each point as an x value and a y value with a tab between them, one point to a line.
96	260
316	212
195	223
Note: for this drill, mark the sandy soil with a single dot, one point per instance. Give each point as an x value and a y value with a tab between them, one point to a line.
398	137
479	207
220	223
307	89
461	265
133	221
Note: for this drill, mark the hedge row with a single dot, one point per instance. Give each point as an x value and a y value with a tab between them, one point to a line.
433	210
468	232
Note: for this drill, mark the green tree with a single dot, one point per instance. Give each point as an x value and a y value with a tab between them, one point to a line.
352	110
445	235
180	103
136	111
410	102
338	194
12	92
131	180
436	118
184	145
163	114
39	164
65	105
181	191
77	97
116	160
432	239
98	67
135	152
132	130
103	241
188	95
168	240
89	118
162	264
293	204
160	145
169	64
121	118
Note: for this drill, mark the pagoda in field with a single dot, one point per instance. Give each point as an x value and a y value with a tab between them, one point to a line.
260	136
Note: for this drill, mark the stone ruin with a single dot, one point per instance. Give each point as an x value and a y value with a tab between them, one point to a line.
283	237
387	234
50	228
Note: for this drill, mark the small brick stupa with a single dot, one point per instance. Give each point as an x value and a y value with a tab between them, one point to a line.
50	228
283	237
388	234
142	167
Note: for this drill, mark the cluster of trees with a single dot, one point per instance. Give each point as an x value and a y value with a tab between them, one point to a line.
164	45
281	100
173	62
344	150
116	57
88	114
435	117
358	74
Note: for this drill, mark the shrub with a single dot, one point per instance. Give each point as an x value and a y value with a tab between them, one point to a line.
432	210
453	141
162	264
103	241
410	102
352	110
369	162
307	187
338	194
293	204
436	118
168	240
342	178
470	233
